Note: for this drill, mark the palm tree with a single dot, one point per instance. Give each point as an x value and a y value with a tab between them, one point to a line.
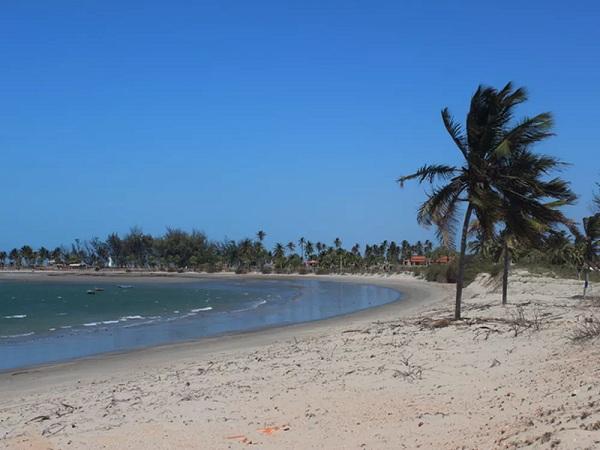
3	256
338	245
590	240
261	235
309	249
301	243
488	138
405	250
43	254
291	247
427	248
27	254
14	257
337	242
529	202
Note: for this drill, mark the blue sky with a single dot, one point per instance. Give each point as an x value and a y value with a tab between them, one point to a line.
292	117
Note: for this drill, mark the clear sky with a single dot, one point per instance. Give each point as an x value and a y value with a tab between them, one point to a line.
292	117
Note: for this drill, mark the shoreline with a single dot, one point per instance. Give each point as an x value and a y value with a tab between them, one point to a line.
411	290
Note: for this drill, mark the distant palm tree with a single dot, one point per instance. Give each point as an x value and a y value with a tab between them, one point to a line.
488	138
3	256
405	249
337	242
14	257
27	254
427	247
320	247
301	243
291	247
279	255
309	249
261	235
590	240
43	254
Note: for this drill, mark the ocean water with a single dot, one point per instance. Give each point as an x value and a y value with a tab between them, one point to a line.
45	322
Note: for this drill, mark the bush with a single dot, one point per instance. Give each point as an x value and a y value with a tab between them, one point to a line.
240	271
441	273
586	330
302	271
267	270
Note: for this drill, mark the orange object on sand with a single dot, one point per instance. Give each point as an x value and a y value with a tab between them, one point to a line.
270	430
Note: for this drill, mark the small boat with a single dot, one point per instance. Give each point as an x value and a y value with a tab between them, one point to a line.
91	292
125	286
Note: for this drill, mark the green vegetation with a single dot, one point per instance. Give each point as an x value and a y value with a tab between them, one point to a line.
178	250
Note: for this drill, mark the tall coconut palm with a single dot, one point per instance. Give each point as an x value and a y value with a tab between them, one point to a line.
261	235
530	202
488	137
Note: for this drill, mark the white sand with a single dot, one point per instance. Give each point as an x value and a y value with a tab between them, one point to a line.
384	378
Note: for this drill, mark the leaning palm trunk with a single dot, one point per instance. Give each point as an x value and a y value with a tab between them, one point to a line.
461	263
506	252
586	281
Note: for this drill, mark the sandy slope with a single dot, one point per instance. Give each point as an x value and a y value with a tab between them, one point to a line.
387	378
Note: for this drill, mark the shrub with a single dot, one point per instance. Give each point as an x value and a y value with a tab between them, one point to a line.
240	271
267	270
586	330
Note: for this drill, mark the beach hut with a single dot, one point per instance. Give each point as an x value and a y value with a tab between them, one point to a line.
418	260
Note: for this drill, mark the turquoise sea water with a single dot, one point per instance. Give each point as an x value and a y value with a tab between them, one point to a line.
43	322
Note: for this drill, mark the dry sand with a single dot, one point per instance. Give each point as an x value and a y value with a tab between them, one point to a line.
398	376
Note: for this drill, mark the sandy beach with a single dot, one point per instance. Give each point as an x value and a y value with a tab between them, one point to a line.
397	376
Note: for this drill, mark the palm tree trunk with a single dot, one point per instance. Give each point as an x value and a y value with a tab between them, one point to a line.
505	274
586	283
461	262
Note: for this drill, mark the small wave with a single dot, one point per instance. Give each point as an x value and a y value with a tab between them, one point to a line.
91	324
109	322
137	324
208	308
254	306
9	336
126	318
16	316
66	327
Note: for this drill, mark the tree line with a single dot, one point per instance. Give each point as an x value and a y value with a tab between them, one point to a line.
178	249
